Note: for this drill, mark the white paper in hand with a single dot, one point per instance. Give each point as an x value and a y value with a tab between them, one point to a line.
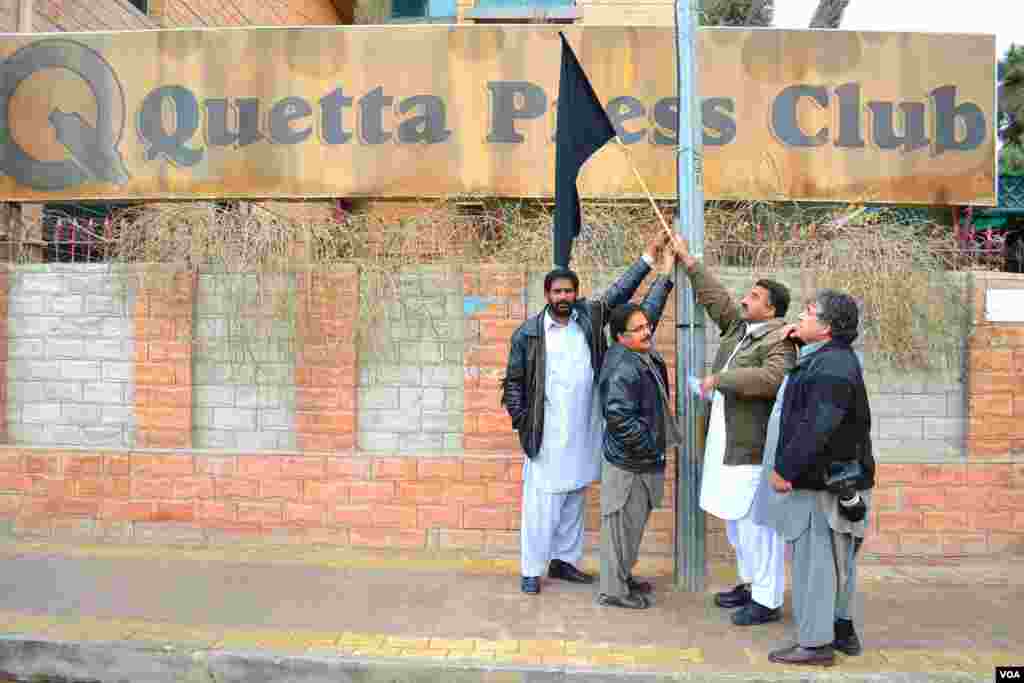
695	388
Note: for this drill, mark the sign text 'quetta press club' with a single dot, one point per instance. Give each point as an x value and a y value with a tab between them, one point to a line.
334	112
338	118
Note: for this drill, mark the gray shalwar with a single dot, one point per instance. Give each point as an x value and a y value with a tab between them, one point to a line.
627	499
824	572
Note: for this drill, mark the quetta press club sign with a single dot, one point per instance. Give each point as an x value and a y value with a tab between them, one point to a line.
435	111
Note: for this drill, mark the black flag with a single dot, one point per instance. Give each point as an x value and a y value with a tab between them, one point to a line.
582	128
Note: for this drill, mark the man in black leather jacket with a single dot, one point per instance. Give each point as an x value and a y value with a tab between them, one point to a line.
548	391
640	428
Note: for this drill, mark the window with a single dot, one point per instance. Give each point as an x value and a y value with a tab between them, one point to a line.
141	5
524	11
423	11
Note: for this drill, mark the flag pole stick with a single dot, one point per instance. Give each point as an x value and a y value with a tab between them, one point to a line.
690	571
650	197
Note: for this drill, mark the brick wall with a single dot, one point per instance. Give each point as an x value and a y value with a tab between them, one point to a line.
494	306
974	508
960	502
181	13
163	360
325	365
86	15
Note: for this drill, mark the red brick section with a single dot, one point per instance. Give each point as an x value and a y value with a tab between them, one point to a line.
995	387
251	12
948	510
163	360
86	15
470	503
326	375
500	293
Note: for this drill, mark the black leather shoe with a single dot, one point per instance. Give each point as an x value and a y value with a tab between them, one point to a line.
846	640
639	587
629	602
812	656
754	613
530	584
737	597
565	571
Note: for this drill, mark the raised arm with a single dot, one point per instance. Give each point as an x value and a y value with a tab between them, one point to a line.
623	289
714	297
657	296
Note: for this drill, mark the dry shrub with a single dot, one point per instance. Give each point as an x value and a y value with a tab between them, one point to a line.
899	271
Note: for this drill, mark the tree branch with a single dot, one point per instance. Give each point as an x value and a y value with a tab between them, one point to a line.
829	13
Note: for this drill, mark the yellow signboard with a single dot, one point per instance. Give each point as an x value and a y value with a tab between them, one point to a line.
432	111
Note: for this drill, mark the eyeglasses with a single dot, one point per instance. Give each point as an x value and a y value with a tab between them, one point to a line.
638	330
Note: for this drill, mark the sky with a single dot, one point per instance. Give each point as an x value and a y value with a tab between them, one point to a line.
1004	18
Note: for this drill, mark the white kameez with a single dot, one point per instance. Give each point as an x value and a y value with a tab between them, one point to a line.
727	492
569	456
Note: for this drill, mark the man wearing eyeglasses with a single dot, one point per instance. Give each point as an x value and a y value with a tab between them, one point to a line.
548	390
640	428
819	471
753	357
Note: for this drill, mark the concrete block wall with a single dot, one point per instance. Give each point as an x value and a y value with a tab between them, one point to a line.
70	348
916	416
243	393
411	391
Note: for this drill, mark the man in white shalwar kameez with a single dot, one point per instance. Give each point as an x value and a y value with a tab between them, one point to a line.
548	390
753	357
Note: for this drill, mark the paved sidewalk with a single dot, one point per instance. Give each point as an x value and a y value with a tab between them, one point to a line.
955	620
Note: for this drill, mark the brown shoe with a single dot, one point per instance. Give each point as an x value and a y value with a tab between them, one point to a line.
812	656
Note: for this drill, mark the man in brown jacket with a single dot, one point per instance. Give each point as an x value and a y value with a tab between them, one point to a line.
753	357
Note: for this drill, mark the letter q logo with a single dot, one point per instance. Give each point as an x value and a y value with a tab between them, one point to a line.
93	151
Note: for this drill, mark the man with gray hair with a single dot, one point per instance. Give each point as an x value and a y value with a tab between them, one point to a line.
818	472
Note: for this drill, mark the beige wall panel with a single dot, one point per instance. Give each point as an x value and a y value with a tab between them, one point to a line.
863	93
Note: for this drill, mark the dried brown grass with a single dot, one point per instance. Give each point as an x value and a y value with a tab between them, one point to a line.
901	273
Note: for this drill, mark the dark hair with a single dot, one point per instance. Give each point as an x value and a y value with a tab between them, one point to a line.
620	315
561	274
839	311
778	296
